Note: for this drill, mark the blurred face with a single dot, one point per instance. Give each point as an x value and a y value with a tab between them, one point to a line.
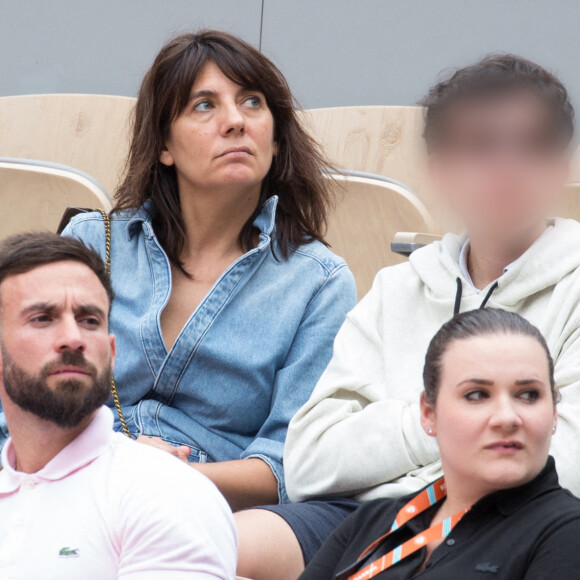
500	165
224	138
494	413
56	351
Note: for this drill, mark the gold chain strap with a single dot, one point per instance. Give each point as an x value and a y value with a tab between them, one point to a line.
114	392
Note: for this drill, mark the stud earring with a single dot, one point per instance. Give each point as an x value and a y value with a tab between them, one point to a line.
553	428
430	431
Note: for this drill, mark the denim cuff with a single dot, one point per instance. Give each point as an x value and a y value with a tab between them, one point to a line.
278	472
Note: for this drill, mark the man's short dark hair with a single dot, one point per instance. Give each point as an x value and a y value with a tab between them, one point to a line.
495	75
23	253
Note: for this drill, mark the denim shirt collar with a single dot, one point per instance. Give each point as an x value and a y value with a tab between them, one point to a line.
265	221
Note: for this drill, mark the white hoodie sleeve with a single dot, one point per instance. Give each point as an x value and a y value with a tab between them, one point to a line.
566	442
351	435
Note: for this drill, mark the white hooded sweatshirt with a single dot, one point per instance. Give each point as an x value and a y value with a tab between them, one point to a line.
360	433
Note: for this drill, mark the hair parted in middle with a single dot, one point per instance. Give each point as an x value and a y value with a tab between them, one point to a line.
471	324
297	172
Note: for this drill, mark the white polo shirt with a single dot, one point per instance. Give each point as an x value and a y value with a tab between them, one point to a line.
108	508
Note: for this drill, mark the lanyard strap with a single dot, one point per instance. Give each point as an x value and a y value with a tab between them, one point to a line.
421	502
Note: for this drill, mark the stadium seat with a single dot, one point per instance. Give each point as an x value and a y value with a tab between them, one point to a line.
575	167
381	140
88	132
369	211
405	243
34	195
386	141
569	206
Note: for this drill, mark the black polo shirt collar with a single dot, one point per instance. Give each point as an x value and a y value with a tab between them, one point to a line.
509	501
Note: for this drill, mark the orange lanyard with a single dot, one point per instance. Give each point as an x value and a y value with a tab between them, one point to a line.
428	497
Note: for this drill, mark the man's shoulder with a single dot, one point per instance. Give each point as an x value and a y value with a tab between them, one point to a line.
393	283
169	515
136	463
151	484
147	473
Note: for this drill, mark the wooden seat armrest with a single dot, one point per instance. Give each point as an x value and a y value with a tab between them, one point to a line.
416	238
405	243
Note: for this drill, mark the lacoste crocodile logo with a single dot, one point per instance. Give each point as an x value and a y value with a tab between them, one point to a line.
487	567
68	552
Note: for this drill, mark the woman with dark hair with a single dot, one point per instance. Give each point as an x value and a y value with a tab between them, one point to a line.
490	400
227	298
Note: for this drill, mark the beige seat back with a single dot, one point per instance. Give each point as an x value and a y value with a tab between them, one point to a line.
386	141
382	140
575	166
569	203
369	212
88	132
34	197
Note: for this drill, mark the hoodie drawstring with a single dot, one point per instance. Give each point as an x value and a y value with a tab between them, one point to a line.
488	295
459	294
458	297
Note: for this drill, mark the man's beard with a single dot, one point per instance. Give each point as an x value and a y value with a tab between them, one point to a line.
69	402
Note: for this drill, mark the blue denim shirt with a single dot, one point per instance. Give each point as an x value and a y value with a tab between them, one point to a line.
247	358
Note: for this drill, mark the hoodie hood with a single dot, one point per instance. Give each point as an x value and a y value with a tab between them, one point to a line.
542	266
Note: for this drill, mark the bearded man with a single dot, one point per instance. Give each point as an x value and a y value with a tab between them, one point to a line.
76	499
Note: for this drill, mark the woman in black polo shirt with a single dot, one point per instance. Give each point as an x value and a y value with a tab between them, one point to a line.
499	512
